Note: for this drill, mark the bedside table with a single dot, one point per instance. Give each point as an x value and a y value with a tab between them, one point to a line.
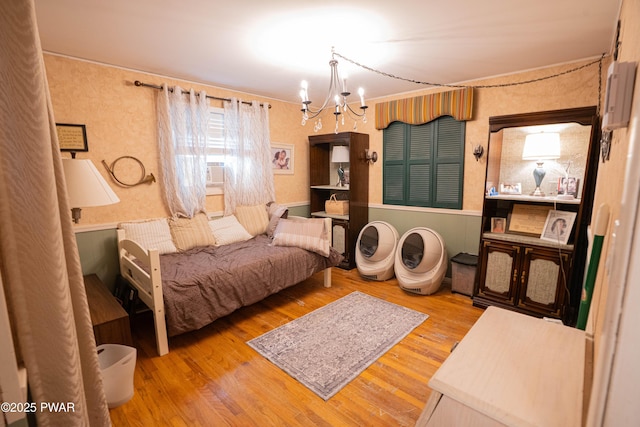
110	321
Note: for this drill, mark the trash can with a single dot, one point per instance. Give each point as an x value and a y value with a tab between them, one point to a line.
117	364
463	273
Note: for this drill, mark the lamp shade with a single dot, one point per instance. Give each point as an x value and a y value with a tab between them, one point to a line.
85	185
541	146
340	154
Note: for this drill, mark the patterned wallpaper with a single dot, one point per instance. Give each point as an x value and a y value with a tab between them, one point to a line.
120	120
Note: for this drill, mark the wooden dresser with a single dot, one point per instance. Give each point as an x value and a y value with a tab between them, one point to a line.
110	321
510	369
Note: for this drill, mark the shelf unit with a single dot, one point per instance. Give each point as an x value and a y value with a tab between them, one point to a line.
525	273
321	178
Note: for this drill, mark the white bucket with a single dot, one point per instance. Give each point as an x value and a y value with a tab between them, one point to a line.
117	364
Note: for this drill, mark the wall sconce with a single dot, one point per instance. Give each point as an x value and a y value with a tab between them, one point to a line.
478	151
370	156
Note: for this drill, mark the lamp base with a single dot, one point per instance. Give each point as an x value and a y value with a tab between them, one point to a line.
75	215
538	176
537	192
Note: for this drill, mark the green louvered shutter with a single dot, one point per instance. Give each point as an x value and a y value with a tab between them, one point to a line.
424	164
449	163
419	158
393	173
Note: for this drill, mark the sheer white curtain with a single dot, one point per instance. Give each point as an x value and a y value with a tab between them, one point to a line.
39	261
182	140
248	177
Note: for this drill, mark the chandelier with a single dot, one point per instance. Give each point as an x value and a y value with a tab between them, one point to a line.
336	99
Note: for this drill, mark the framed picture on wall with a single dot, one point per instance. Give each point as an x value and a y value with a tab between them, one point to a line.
282	158
72	137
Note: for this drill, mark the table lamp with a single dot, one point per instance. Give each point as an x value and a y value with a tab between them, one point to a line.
340	155
540	147
85	186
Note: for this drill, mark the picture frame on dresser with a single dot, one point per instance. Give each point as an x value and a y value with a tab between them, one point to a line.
528	220
558	226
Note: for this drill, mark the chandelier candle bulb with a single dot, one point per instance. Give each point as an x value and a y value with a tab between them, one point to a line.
361	93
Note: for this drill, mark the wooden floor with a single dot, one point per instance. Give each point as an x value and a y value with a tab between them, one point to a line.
212	378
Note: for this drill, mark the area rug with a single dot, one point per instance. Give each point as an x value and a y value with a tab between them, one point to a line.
329	347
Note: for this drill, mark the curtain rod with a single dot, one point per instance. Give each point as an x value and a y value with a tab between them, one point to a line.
139	83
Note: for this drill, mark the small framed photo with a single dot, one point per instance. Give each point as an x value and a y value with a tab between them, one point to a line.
511	188
282	158
558	226
568	186
498	225
72	137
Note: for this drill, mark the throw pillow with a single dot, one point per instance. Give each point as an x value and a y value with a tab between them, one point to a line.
307	234
189	233
254	219
228	230
152	234
276	212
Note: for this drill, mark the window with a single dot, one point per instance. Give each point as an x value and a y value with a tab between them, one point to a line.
424	164
215	151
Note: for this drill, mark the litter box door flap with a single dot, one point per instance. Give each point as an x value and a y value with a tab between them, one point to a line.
368	242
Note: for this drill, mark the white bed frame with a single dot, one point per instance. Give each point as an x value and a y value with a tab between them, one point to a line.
149	285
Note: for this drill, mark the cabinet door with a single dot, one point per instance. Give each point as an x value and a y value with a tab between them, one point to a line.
499	271
340	237
543	280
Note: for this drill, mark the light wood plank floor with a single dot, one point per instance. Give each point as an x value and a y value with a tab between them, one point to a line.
212	378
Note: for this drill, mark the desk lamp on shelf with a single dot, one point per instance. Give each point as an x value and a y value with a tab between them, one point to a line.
340	155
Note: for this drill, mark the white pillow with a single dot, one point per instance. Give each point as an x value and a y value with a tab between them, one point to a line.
153	234
228	230
307	234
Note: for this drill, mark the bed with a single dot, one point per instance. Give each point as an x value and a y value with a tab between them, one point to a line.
189	289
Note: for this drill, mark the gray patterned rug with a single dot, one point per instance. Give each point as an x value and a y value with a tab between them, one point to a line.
332	345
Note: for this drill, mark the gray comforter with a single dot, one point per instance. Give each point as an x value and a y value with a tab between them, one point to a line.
206	283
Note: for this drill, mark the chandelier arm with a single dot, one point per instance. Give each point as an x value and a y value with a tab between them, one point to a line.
364	111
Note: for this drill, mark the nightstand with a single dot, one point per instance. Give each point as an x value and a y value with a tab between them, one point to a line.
110	321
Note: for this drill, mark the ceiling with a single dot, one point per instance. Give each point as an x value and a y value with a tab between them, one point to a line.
268	48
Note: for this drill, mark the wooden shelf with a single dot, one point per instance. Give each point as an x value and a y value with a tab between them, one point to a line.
526	240
322	186
323	214
330	187
525	198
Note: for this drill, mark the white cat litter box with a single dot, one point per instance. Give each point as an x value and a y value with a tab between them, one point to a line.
421	261
117	364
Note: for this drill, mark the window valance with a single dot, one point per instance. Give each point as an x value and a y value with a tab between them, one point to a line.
422	109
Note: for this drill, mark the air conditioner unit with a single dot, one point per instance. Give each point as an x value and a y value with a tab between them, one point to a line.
617	106
215	174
